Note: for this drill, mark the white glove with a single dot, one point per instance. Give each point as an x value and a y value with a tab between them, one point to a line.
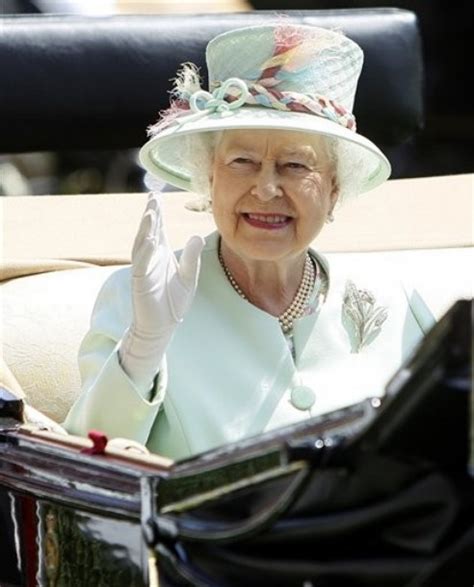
162	292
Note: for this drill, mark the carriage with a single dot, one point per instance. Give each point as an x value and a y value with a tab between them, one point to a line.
377	493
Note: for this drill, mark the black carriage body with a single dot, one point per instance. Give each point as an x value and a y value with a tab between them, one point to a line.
68	518
371	495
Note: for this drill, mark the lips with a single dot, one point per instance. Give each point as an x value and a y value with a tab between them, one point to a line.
268	221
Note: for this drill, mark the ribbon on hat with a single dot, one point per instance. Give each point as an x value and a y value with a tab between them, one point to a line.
234	92
216	101
203	103
261	94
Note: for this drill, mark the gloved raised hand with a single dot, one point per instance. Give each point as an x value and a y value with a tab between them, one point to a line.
162	292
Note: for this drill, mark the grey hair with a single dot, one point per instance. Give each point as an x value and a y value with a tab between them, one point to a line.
199	151
352	169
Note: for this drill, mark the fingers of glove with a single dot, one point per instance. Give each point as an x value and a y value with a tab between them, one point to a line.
145	259
148	223
145	228
160	232
152	198
189	262
144	244
158	228
153	203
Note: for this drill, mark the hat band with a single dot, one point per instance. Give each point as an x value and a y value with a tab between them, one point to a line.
260	95
235	92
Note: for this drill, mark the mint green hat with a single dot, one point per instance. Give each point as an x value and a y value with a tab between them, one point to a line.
283	76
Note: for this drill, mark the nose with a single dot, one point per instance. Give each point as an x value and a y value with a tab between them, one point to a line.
267	183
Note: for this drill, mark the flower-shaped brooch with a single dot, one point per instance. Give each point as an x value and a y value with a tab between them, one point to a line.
361	317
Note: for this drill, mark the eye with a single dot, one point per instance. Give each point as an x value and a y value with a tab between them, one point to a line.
241	161
296	165
242	164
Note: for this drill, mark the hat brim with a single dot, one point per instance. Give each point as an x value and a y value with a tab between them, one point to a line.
161	154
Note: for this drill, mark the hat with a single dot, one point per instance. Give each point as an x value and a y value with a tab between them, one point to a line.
282	76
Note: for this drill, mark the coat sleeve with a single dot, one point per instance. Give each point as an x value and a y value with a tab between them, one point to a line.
109	400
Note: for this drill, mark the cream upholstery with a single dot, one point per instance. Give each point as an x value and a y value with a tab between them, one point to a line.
49	289
45	317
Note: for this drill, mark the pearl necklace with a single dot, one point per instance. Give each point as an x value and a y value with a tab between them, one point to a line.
298	306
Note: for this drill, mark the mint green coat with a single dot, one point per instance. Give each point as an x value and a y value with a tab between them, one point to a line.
228	372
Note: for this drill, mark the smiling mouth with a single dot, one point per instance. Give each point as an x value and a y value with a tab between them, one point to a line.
268	221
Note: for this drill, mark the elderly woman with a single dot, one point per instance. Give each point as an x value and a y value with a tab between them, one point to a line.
250	329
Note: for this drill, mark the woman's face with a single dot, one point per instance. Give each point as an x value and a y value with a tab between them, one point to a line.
271	191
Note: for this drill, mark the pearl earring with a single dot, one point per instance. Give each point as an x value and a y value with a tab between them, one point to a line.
330	217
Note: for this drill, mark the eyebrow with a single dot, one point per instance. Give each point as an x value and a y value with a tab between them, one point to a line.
306	150
240	147
298	151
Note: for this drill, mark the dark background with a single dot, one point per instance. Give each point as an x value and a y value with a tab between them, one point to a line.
445	145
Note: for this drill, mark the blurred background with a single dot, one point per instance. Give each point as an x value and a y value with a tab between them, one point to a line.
444	146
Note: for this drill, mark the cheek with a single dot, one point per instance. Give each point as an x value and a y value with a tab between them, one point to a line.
316	192
315	182
312	203
223	206
227	189
310	198
218	206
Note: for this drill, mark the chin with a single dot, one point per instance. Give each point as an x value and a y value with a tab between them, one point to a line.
266	251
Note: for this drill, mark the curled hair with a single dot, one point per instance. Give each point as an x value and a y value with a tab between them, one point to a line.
200	151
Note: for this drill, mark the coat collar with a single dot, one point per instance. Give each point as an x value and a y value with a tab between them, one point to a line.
303	327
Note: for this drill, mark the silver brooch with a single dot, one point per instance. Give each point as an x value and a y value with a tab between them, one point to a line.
361	317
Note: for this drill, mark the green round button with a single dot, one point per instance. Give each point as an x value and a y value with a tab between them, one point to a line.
302	397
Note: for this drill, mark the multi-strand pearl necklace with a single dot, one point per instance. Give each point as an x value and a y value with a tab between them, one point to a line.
298	306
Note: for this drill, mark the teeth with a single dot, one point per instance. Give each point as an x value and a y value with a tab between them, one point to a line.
269	218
